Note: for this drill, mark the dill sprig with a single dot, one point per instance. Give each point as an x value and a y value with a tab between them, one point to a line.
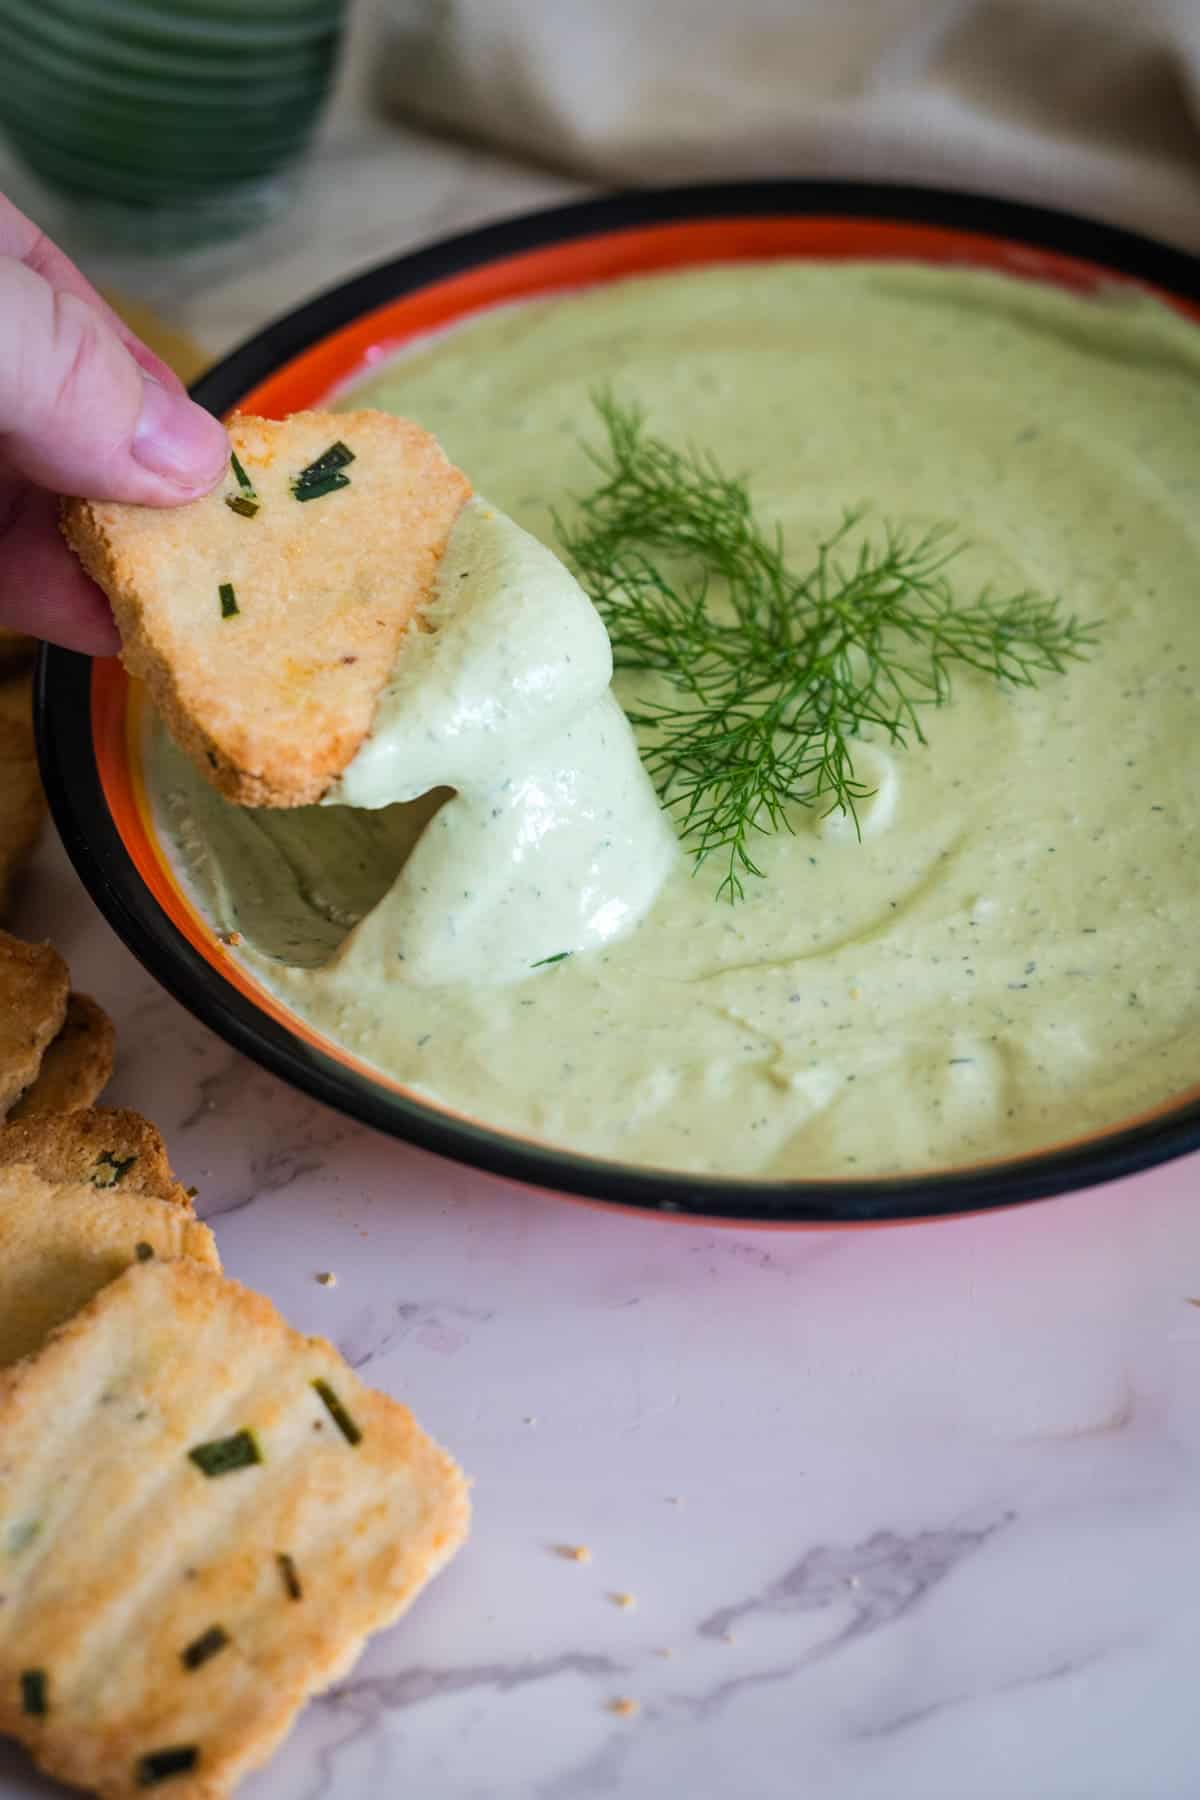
769	674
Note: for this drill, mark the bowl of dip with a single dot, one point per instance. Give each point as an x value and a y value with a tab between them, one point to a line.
984	999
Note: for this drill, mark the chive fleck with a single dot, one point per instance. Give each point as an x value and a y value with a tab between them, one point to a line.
338	456
338	1413
323	476
202	1648
108	1169
243	480
22	1534
143	1251
547	960
33	1693
160	1765
324	484
229	605
289	1576
242	504
223	1455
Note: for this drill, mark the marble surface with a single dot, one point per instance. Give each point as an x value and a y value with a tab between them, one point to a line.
914	1512
909	1512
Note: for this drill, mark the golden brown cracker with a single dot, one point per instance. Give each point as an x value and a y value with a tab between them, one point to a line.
107	1147
33	1003
60	1243
205	1514
16	650
16	696
266	640
76	1065
22	802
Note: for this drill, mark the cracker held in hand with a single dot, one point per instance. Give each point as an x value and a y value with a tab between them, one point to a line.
65	1239
33	1003
202	1515
266	617
77	1063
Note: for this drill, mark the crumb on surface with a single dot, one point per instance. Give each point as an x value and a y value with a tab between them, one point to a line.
624	1600
327	1278
233	939
575	1553
727	1637
623	1706
665	1651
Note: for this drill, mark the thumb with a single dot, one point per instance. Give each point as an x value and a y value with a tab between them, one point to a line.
77	413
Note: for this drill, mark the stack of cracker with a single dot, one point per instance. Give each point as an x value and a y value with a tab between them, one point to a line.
203	1514
56	1047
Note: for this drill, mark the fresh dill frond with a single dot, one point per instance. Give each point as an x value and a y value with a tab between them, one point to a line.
769	674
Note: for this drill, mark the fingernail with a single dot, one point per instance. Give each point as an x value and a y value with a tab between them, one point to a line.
177	439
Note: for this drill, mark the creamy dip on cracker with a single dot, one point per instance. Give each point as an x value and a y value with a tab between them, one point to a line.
1001	963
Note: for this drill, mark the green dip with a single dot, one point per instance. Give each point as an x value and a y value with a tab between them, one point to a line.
1005	961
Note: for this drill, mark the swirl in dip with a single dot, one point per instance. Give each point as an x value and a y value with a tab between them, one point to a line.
1004	960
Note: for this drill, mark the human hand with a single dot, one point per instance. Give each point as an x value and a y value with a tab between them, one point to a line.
85	408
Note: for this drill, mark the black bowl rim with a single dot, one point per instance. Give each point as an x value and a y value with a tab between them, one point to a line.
62	701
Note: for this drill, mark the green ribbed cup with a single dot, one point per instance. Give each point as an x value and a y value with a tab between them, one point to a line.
165	122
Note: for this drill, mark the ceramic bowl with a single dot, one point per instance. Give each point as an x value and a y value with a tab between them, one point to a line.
89	714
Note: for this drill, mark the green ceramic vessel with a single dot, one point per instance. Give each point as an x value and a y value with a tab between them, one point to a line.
164	122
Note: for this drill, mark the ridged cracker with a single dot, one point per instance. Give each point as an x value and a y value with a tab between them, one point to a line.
61	1243
272	702
76	1065
117	1553
99	1145
33	1003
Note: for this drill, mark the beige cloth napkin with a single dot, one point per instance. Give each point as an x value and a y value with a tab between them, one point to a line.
1089	104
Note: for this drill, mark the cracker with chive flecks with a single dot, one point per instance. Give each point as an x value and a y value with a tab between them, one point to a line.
60	1243
265	617
103	1146
34	984
76	1064
203	1515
